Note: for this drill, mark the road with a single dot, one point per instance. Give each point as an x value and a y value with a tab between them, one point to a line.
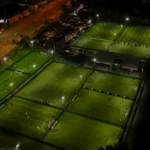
30	24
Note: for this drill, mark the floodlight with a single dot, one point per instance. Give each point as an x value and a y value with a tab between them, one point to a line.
94	59
2	20
31	41
4	58
127	19
11	84
90	21
17	146
34	65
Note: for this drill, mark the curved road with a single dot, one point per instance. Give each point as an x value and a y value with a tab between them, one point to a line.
30	24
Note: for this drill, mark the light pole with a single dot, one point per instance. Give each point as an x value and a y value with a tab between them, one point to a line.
5	58
17	146
38	128
34	65
94	62
62	99
127	20
97	16
90	21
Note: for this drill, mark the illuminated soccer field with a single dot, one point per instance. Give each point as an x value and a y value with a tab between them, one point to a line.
56	85
80	133
31	62
10	140
135	35
68	106
138	51
9	80
99	37
26	117
115	84
110	109
12	58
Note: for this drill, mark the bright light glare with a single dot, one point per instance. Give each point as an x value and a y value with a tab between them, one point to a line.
63	97
17	146
94	59
90	21
31	41
52	52
97	15
11	84
4	58
127	19
2	20
34	65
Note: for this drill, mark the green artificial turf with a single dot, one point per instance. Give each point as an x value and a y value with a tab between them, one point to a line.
10	140
105	107
92	43
125	49
98	37
107	31
115	84
14	116
56	81
79	133
31	62
136	35
9	80
12	58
